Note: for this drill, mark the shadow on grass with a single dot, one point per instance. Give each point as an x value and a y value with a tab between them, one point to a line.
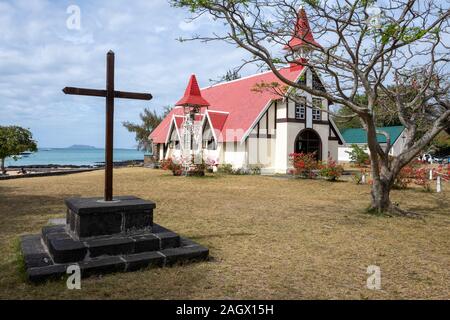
224	235
24	213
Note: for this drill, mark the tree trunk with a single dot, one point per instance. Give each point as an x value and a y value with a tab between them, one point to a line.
381	190
2	165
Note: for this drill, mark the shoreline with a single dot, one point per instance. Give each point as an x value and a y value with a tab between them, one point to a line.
74	166
15	172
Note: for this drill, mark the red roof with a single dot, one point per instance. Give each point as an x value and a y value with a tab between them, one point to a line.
192	95
234	106
302	34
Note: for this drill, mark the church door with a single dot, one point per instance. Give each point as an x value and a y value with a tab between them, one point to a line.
308	141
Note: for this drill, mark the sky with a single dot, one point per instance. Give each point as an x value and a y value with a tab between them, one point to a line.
43	49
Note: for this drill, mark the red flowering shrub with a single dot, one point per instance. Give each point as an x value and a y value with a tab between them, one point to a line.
304	164
421	178
170	164
404	177
330	170
444	172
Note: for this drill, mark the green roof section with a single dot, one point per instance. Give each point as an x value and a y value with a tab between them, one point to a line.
359	135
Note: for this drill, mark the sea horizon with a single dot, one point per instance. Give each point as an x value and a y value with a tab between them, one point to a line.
86	156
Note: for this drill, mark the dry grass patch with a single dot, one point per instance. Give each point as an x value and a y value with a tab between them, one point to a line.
270	238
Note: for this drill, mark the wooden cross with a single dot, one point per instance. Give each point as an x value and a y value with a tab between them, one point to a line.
109	94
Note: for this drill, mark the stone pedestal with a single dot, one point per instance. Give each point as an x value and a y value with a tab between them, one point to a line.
103	237
92	217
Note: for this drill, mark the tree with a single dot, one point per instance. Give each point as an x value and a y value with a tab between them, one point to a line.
371	48
229	76
13	141
386	114
358	155
150	120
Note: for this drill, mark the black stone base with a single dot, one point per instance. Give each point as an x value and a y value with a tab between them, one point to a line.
92	217
47	256
104	237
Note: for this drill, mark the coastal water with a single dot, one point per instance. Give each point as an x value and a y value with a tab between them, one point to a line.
71	156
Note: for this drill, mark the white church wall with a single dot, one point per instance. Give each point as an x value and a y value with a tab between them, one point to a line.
281	109
235	154
161	151
333	147
259	152
281	148
212	154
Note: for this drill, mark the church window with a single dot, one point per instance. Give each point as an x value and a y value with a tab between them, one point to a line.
317	112
300	108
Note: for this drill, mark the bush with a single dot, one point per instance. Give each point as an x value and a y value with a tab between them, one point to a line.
421	179
197	169
331	170
172	165
211	164
357	177
304	164
255	169
225	168
239	172
444	172
404	177
358	155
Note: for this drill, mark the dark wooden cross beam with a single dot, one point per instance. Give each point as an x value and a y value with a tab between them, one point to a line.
109	94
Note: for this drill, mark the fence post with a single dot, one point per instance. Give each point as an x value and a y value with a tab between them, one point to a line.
438	184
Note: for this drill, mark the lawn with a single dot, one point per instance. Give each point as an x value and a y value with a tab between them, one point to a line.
269	238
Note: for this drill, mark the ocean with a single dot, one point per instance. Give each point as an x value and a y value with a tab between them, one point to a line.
76	157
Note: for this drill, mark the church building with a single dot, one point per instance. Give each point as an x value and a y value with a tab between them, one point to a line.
238	125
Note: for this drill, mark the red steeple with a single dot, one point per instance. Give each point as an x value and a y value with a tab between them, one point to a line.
302	34
192	95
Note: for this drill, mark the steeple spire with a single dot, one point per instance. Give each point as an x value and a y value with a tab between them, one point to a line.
302	37
192	96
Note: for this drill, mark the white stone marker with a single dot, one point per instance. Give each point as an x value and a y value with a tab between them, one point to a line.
431	174
438	184
363	178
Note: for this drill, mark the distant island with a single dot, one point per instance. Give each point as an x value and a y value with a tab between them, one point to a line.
81	146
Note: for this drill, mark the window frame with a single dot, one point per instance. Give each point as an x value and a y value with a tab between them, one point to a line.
317	111
300	109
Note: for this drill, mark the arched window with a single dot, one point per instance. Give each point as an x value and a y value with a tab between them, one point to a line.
308	141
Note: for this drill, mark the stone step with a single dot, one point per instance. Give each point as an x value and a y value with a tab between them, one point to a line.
64	249
34	253
189	251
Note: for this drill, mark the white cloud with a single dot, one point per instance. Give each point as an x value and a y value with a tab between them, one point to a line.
188	25
159	29
39	56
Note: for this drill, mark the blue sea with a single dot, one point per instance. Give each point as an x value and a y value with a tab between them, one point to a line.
76	157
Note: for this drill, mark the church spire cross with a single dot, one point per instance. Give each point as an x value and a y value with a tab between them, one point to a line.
110	94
